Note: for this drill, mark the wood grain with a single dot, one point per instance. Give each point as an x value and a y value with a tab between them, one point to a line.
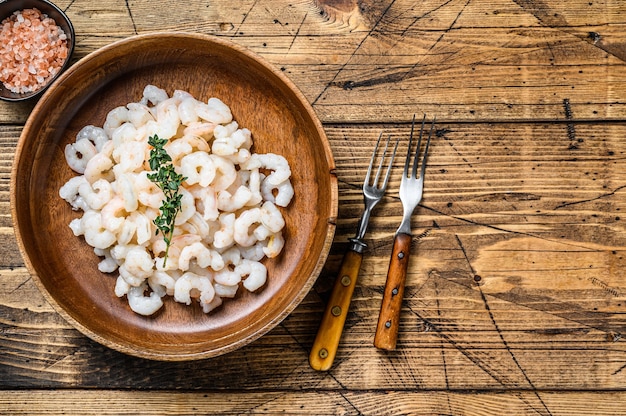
515	295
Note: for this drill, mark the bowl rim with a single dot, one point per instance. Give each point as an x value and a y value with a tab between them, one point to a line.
330	226
15	97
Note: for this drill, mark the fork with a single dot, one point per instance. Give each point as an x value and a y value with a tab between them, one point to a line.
331	327
411	189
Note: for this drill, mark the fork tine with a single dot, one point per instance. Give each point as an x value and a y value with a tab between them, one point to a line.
382	160
417	149
408	153
369	169
430	134
393	156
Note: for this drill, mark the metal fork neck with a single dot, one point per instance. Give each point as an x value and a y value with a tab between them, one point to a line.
357	243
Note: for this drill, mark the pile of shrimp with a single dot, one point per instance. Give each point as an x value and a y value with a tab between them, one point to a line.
230	217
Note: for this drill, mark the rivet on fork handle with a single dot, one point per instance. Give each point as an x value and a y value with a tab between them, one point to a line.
388	320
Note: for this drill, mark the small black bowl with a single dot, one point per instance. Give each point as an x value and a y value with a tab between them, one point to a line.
7	8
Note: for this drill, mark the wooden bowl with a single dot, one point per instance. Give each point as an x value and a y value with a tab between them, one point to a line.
261	99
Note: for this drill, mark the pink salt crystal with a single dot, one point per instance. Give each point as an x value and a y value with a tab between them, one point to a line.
34	39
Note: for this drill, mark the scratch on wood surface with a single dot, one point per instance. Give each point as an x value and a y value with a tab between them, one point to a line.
552	19
333	80
504	342
245	16
601	196
498	369
297	32
130	14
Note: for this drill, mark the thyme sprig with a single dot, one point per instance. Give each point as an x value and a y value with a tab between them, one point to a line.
166	178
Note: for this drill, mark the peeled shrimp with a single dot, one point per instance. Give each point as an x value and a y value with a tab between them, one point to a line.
114	119
214	111
189	281
203	256
139	114
271	217
70	190
284	192
162	283
99	167
141	304
96	194
224	237
198	167
255	272
96	235
228	202
78	154
243	224
95	135
274	246
153	95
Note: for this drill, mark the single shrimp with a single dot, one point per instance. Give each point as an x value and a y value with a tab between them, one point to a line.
198	167
204	257
70	191
284	192
255	274
139	114
206	201
231	144
113	214
148	192
114	119
276	163
189	281
125	133
275	245
95	135
227	173
125	189
225	291
153	95
121	287
228	202
167	118
162	283
96	194
187	207
271	217
99	167
243	224
224	237
96	235
200	129
138	262
130	156
187	110
214	111
254	252
78	154
142	304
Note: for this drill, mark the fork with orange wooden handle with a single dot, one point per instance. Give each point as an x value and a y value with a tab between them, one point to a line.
411	189
331	327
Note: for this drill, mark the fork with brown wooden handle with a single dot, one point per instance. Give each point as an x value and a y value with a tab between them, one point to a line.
327	340
411	189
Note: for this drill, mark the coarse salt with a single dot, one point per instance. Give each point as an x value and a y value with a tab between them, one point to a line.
32	49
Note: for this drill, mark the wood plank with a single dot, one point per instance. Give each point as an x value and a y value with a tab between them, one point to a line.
102	403
515	281
463	60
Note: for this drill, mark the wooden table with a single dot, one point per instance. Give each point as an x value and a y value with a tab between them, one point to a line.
516	294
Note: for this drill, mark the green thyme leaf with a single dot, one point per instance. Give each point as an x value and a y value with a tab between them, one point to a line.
166	178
